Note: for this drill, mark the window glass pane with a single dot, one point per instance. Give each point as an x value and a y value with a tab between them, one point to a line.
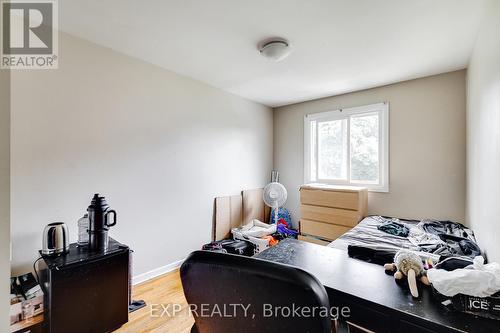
365	148
332	149
314	152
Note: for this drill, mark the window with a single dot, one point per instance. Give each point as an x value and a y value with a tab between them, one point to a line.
348	147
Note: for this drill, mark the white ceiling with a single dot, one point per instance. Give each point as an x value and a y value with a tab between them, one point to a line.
339	45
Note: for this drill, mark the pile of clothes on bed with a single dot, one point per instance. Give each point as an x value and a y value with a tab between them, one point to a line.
377	239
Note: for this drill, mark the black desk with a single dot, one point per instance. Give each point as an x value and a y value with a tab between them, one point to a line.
376	302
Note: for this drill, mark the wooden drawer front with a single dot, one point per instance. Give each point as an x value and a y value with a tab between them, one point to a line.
345	200
323	230
348	218
312	240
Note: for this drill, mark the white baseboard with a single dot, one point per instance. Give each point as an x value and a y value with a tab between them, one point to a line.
156	272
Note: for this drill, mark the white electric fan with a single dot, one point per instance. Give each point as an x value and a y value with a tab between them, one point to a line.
275	196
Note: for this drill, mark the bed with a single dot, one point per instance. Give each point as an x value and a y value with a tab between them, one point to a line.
440	241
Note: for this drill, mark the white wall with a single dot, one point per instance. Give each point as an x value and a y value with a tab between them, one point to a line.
427	146
4	199
483	134
159	146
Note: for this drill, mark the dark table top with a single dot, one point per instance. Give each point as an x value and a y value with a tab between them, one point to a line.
80	255
369	282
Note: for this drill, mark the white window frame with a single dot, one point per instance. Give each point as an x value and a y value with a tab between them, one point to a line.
383	110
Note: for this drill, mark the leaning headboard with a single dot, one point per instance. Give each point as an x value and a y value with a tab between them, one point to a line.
233	211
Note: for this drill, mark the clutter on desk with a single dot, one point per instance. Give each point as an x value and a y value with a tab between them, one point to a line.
408	264
474	289
452	263
443	254
486	307
478	279
26	298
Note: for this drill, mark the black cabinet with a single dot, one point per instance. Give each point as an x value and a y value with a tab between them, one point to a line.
86	292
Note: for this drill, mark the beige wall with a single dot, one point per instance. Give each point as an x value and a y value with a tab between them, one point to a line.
4	199
159	146
483	134
427	146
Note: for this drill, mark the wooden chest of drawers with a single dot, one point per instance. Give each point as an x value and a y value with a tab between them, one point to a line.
329	211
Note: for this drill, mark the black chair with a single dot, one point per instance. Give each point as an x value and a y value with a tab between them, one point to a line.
235	294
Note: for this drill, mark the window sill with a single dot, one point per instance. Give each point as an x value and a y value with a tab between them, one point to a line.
384	189
378	190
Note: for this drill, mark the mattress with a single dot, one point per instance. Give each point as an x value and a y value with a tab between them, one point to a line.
367	236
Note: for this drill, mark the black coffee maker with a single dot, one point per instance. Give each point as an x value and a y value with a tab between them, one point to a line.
100	219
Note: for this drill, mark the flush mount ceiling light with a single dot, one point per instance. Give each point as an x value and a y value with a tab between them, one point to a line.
275	49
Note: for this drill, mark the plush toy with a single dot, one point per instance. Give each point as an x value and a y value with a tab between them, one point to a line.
410	265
